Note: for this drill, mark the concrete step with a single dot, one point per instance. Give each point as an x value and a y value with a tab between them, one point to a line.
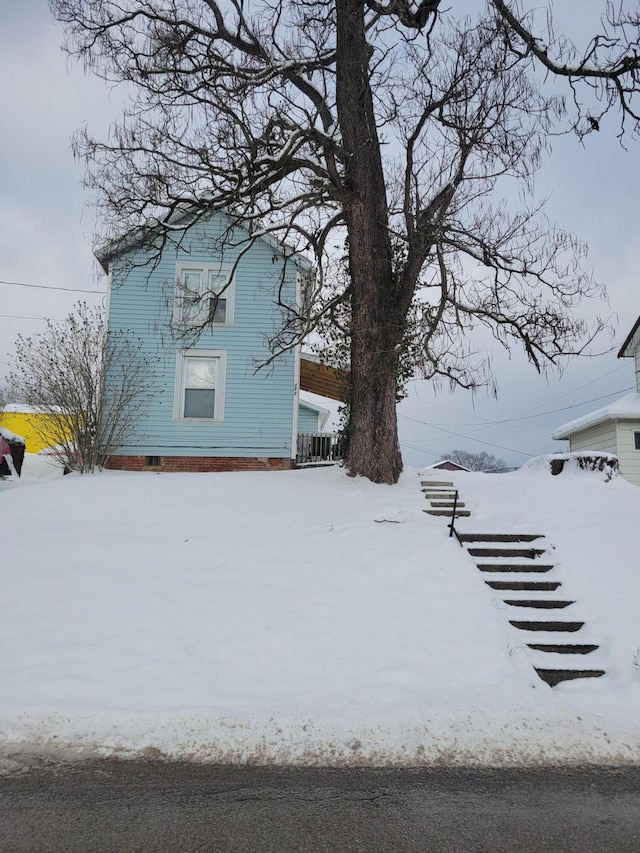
500	537
447	504
536	568
564	648
556	676
540	603
544	625
436	483
525	586
448	513
519	553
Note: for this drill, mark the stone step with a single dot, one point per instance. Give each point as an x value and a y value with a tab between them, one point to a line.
447	504
500	537
529	586
448	513
556	676
520	553
564	648
436	483
540	603
530	625
514	567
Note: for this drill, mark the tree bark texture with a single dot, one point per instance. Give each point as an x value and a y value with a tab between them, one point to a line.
377	317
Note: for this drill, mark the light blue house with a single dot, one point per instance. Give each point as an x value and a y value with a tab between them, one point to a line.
204	302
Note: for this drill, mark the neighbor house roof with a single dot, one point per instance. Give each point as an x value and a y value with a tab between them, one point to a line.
448	464
632	342
626	408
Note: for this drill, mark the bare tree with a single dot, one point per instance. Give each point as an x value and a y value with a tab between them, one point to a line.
5	397
475	461
63	372
386	122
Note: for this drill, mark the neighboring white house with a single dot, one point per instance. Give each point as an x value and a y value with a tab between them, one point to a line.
614	428
447	465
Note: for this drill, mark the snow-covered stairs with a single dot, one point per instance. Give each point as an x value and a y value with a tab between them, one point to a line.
512	565
441	496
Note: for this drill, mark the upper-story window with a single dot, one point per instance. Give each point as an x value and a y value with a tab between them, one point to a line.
204	295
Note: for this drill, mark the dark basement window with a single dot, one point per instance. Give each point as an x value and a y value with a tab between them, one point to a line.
154	462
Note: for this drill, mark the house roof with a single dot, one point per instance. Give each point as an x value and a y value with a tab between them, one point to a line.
632	342
625	409
442	464
10	436
178	221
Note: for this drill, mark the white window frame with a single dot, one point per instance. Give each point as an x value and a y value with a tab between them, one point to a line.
227	290
180	384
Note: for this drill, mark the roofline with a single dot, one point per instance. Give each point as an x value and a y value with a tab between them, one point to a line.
451	462
556	435
115	247
628	340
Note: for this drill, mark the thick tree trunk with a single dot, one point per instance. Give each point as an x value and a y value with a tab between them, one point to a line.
377	318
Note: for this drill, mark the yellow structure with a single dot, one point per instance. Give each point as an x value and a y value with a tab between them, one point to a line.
32	425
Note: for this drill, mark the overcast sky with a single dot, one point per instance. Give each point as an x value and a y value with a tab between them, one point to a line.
46	229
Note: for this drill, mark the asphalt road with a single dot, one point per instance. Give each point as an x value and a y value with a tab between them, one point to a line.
112	805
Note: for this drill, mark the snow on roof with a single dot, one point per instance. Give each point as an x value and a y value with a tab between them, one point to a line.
444	462
626	408
24	409
177	221
10	436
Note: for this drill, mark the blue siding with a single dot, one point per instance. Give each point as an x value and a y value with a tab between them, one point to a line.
308	419
258	407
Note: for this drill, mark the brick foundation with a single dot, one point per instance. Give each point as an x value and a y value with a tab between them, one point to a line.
200	463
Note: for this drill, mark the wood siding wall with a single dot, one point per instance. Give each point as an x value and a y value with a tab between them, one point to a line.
258	408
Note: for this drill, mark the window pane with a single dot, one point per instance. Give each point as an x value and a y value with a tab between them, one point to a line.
218	310
636	440
217	283
192	280
201	373
199	403
191	296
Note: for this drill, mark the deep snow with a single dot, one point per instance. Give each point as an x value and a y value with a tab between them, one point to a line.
307	617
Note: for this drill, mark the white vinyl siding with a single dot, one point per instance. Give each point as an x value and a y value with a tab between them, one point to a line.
628	455
600	437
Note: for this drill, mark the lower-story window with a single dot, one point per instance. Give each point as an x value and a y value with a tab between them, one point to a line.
200	380
636	439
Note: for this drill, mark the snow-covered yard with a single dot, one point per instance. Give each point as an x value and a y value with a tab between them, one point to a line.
289	617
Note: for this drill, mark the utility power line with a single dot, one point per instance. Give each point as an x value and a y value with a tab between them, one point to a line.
52	287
